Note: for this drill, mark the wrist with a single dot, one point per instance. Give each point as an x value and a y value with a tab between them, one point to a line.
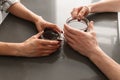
96	53
90	8
16	49
20	49
37	19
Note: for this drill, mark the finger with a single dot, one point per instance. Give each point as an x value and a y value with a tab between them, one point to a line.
68	36
54	27
72	31
49	42
69	39
49	47
47	52
90	26
87	10
75	12
38	34
39	27
82	13
72	45
44	53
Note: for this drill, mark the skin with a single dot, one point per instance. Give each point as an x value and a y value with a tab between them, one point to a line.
32	47
101	6
82	41
17	8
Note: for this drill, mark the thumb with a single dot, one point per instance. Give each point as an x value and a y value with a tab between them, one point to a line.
90	26
54	27
39	34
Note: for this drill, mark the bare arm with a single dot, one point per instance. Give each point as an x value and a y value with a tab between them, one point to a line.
32	47
106	64
21	11
86	44
9	48
101	6
105	6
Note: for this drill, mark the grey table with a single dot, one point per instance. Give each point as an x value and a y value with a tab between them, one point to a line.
65	64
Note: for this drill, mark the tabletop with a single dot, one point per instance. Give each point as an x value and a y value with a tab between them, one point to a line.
65	64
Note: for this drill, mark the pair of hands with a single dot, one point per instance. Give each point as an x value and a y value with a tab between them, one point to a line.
36	47
83	42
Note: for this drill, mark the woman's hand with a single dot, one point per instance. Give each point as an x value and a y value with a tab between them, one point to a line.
80	12
35	47
83	42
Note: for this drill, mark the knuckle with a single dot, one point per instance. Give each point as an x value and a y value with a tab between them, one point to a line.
80	15
34	36
54	25
93	33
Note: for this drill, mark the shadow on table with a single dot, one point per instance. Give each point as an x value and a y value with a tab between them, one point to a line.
73	55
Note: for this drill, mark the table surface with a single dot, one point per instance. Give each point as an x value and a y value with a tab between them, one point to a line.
65	64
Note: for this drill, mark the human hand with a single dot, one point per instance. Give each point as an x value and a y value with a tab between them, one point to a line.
80	12
41	24
35	47
83	42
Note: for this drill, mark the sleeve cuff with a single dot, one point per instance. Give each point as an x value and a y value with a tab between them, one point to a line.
7	3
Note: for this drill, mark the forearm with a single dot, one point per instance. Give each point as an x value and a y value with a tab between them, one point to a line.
106	64
21	11
105	6
9	49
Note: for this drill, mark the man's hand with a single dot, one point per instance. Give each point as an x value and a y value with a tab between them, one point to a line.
83	42
35	47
